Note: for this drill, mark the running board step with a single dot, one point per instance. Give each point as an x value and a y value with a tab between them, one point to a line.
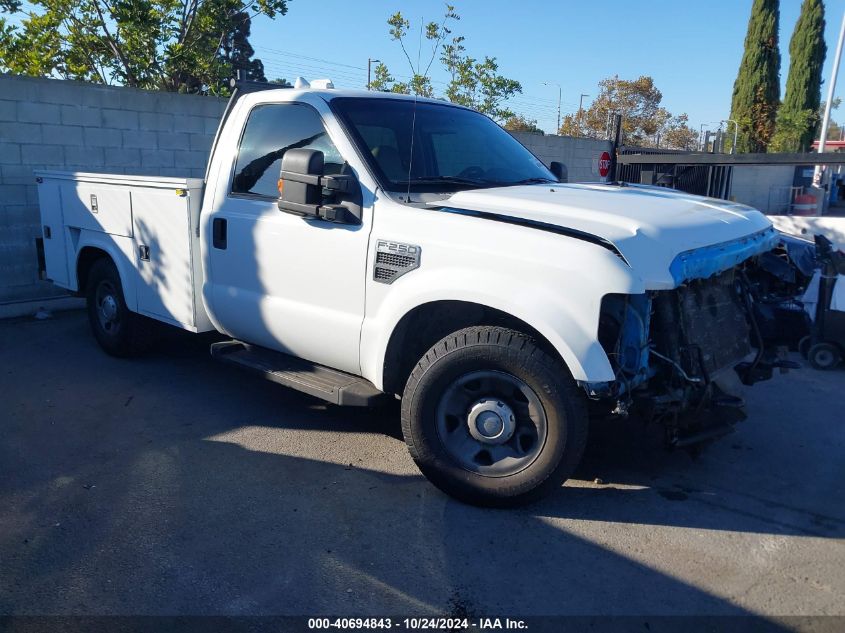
327	384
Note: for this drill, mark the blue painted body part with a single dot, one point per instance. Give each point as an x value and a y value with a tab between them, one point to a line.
705	262
634	348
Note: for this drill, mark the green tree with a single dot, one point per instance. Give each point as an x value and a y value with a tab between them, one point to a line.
177	45
475	83
382	80
435	33
478	85
519	123
834	130
238	52
797	115
756	92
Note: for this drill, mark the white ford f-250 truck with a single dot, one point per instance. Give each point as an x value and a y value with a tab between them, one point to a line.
355	244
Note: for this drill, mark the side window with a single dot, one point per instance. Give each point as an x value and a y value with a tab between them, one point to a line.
270	131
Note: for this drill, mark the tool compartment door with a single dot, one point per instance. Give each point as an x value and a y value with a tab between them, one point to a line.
162	232
53	232
101	207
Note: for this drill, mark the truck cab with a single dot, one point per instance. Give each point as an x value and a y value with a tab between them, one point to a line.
357	245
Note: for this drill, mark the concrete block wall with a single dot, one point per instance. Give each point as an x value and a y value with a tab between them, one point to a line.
74	126
580	155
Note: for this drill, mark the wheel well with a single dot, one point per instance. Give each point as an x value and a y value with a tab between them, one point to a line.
426	324
86	259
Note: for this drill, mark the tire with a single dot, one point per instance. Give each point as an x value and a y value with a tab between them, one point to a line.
496	381
119	331
824	356
804	345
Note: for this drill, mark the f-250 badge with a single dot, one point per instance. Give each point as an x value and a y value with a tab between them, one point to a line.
394	259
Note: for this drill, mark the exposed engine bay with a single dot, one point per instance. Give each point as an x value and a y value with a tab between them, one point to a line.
679	355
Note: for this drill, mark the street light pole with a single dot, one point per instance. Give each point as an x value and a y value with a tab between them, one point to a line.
559	96
369	67
817	174
581	106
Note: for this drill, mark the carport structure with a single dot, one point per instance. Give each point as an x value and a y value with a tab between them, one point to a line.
701	173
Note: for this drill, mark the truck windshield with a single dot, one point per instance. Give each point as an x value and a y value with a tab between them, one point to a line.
424	146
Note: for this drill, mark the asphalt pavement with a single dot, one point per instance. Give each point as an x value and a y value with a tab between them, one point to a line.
172	484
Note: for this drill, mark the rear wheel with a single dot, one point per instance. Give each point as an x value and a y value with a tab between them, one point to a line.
119	331
823	356
491	419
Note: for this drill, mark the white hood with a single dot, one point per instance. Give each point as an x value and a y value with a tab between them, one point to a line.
650	226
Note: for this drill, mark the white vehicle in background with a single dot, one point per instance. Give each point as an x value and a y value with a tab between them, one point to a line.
354	244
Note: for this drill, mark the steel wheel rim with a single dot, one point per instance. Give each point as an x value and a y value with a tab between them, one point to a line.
494	455
107	307
824	357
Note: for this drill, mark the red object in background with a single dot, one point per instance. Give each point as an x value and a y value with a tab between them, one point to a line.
604	164
805	204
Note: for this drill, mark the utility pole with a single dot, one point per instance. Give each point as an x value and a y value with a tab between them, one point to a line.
701	144
369	67
817	174
559	96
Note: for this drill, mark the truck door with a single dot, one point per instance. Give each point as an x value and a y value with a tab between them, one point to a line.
277	280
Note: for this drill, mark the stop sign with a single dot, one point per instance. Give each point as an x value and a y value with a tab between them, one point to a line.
604	164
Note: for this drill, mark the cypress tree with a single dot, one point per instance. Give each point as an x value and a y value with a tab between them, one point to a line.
756	93
236	50
798	114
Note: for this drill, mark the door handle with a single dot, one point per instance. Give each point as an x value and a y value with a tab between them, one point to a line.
219	230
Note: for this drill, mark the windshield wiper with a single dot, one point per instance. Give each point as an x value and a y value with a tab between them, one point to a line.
533	181
449	180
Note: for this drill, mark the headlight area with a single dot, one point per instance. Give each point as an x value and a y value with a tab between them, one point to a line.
674	353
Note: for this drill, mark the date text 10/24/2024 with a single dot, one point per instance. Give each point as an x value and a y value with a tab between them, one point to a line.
418	624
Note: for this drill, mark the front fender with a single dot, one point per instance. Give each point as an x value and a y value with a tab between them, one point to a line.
565	310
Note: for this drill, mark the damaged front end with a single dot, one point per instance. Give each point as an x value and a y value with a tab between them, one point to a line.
680	355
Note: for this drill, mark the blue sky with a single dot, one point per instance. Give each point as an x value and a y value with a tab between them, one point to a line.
691	48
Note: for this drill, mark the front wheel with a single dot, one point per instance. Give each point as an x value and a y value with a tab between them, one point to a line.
491	419
804	345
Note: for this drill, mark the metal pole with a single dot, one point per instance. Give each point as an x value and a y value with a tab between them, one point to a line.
701	146
817	174
369	66
581	107
736	132
617	141
559	97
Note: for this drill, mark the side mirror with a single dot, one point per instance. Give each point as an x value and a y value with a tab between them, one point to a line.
304	189
559	170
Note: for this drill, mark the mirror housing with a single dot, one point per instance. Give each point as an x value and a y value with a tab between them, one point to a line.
559	170
304	189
